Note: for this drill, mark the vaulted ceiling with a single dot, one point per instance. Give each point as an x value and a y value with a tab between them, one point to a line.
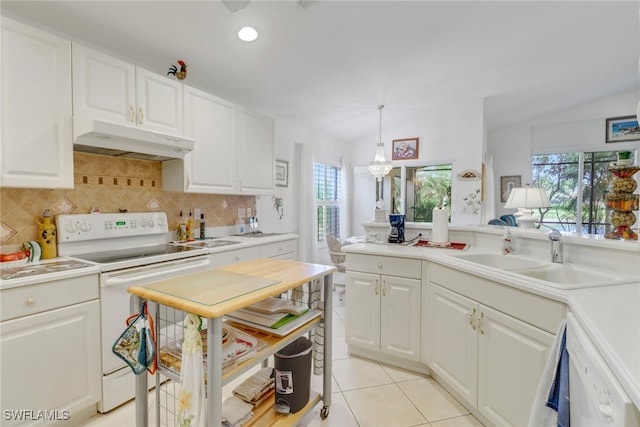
327	65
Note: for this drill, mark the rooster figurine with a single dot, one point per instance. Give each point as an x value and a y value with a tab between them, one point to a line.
180	75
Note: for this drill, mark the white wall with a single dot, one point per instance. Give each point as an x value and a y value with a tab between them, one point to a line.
451	134
578	129
286	135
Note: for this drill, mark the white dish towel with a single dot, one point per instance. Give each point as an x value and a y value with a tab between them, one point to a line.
191	404
541	415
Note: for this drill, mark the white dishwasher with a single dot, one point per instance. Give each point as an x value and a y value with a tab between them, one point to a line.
596	396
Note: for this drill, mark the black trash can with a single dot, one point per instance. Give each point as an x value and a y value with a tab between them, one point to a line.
293	376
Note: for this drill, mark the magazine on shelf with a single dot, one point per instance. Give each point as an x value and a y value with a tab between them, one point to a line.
284	328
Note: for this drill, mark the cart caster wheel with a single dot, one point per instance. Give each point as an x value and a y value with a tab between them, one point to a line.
324	412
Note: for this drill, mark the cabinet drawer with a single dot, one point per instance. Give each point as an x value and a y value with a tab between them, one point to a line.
401	267
221	259
538	311
26	300
271	250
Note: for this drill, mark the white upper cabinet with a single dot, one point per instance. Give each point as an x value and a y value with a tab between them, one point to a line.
158	102
37	147
255	153
212	165
106	88
103	87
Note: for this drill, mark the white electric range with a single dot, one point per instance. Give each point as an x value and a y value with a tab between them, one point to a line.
129	249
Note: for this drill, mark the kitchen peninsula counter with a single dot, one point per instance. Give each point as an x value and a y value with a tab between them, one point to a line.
608	313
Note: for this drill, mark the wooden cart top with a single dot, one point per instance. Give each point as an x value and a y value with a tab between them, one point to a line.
217	292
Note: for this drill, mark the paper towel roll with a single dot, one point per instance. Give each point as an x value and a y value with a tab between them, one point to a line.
440	231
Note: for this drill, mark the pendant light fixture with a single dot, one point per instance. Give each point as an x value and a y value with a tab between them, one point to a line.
380	166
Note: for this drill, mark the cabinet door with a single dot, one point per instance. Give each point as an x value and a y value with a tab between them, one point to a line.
512	357
255	153
159	103
362	299
211	122
103	87
400	317
51	360
37	146
453	340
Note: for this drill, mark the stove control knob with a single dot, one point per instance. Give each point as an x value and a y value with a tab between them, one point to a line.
143	222
71	227
85	227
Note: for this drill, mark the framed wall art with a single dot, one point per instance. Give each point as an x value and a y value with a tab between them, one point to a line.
507	183
621	129
282	173
404	149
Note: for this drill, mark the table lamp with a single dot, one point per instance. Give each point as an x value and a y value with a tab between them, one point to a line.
524	199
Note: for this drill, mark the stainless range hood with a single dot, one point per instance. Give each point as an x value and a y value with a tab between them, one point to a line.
112	139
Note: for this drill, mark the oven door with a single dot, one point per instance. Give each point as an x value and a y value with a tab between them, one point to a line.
116	302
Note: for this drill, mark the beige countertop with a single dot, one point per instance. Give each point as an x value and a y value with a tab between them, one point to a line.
214	293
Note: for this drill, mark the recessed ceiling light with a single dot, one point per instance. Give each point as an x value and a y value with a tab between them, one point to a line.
247	34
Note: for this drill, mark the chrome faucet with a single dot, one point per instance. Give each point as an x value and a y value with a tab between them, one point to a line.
556	246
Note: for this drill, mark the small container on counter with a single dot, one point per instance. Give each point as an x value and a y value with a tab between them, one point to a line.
47	235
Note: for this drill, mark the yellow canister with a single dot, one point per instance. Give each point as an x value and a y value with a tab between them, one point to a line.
47	235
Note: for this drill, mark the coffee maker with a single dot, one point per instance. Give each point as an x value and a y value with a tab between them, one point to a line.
397	228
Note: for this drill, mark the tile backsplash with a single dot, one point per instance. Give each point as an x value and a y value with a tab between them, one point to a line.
111	184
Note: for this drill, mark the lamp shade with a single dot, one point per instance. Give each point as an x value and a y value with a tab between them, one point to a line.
528	198
524	199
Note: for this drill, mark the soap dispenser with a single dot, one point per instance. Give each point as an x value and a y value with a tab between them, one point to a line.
508	243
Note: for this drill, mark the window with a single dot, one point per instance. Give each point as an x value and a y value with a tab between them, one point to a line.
577	184
328	185
426	188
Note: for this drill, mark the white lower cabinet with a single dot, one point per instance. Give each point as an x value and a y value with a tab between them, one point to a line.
492	360
220	259
383	310
51	363
285	249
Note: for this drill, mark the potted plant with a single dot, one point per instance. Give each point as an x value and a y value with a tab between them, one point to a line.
624	157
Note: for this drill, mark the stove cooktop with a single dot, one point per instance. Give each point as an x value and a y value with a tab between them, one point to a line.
119	255
28	270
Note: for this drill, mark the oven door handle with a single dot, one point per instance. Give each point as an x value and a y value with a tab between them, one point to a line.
135	278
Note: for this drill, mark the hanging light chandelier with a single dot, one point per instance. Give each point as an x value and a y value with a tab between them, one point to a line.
380	166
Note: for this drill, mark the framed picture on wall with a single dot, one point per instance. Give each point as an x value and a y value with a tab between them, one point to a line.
621	129
507	183
404	149
282	173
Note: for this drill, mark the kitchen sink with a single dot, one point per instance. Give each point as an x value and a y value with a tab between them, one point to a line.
256	234
212	243
570	276
502	262
561	276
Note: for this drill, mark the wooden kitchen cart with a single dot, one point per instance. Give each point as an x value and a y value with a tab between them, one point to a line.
215	293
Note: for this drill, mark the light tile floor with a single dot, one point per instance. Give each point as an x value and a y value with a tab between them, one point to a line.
365	394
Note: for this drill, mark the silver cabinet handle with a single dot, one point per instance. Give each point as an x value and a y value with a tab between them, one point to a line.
384	288
30	301
376	288
480	328
140	115
132	113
